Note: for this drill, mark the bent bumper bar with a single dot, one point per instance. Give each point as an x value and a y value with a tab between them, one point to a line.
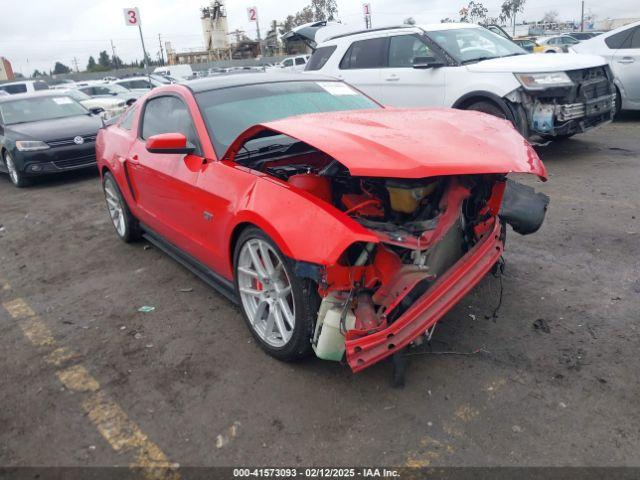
447	291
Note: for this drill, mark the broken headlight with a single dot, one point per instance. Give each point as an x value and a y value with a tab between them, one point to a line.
540	81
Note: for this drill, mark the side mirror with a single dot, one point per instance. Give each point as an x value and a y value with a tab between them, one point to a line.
96	110
169	143
427	62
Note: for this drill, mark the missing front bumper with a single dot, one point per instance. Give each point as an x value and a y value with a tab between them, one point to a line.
447	291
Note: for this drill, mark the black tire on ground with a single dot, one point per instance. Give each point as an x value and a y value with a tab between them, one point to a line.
305	299
131	101
618	108
16	176
131	231
485	106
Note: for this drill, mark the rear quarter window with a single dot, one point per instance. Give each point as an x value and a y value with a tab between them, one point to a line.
320	57
620	40
365	54
127	119
40	86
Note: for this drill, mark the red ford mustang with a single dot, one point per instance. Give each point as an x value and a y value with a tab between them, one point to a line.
339	226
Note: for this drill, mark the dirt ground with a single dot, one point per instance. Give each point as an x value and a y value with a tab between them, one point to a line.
552	381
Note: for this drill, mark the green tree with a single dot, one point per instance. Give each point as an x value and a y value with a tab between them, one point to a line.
60	68
91	64
324	10
509	10
103	60
474	12
37	73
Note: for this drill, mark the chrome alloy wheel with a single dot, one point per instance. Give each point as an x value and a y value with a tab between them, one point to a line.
265	292
13	173
115	207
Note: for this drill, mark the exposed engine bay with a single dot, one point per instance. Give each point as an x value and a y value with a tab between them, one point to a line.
424	226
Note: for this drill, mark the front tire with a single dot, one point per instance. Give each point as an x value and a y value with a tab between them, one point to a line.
126	225
17	178
489	108
279	308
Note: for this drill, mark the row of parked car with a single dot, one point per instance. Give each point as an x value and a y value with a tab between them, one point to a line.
52	128
462	66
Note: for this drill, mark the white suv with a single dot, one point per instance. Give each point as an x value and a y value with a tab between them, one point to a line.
467	66
26	86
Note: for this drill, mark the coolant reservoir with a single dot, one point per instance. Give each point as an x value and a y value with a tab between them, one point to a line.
405	198
329	342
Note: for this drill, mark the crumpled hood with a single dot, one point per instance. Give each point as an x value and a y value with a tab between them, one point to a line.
417	143
537	62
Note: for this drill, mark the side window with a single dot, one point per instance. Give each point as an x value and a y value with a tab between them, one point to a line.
320	57
619	40
127	119
139	84
40	86
101	91
635	39
168	115
288	62
404	48
365	54
17	88
300	61
124	84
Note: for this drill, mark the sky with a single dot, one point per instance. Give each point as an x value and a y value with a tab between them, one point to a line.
61	30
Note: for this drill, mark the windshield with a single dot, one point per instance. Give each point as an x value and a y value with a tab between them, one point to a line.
115	88
468	45
78	96
40	108
230	111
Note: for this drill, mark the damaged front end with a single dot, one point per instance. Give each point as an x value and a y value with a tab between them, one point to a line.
437	238
576	101
425	239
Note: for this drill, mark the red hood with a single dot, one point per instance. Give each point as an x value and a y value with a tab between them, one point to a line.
410	143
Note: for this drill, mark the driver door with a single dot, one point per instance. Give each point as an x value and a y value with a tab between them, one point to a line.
404	86
165	183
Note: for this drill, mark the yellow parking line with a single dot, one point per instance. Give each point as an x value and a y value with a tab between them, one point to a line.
108	417
123	434
59	356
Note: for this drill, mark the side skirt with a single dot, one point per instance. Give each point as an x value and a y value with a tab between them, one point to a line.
220	284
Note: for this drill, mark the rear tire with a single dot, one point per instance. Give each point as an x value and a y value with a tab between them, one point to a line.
16	177
263	286
126	225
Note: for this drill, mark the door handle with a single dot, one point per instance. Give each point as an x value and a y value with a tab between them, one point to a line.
392	78
626	60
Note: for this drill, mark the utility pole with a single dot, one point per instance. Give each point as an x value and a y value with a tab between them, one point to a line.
113	55
582	18
161	50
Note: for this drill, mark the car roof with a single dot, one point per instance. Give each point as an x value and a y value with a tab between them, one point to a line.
139	77
20	82
251	78
427	27
41	93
